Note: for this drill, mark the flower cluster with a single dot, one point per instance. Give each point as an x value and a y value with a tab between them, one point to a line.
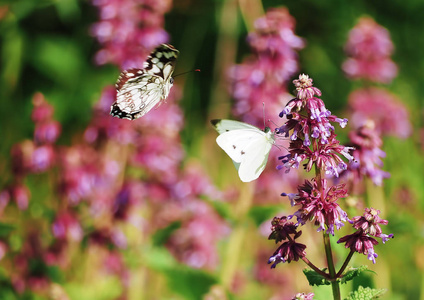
313	139
308	118
129	30
369	47
262	78
368	227
318	204
33	156
372	108
368	153
380	106
281	230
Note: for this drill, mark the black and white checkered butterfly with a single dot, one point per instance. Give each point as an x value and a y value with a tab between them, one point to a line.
140	90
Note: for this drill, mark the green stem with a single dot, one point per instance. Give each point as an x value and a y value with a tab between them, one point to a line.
345	264
334	284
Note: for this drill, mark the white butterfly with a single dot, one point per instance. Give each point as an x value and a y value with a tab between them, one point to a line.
246	145
139	90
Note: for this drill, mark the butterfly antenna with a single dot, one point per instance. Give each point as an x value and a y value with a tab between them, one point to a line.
263	112
197	70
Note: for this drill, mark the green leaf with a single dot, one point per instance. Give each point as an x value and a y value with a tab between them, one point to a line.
366	294
190	283
351	273
314	278
162	235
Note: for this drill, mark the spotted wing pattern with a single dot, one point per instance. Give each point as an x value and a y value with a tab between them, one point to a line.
139	90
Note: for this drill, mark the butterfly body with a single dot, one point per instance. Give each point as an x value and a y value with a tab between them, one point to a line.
140	90
246	145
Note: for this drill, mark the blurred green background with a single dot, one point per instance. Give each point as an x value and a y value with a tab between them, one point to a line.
46	47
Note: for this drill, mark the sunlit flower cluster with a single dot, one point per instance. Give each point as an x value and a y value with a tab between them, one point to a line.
363	241
312	135
314	140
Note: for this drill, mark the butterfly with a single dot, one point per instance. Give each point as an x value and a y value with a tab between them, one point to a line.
246	145
139	90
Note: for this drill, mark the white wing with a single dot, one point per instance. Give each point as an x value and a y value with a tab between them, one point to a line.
222	125
255	159
248	148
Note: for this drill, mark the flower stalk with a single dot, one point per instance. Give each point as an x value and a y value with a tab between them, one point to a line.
314	143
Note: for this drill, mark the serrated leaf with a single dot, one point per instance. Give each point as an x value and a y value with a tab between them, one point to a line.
314	278
351	273
366	294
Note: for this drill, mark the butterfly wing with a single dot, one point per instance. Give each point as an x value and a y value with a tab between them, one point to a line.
139	90
255	159
248	148
222	125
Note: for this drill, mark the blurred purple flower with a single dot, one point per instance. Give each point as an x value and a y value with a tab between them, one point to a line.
368	154
387	112
369	47
262	78
129	30
42	111
66	226
21	195
47	132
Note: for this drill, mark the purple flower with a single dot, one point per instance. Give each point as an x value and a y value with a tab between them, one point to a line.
368	225
262	78
318	204
128	30
47	132
42	110
66	226
370	47
368	156
287	252
385	110
281	229
312	135
370	222
360	242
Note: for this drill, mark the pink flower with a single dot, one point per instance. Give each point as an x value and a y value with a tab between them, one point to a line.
262	79
368	155
312	134
128	30
21	195
389	115
368	225
47	132
42	110
287	252
66	226
370	47
318	204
